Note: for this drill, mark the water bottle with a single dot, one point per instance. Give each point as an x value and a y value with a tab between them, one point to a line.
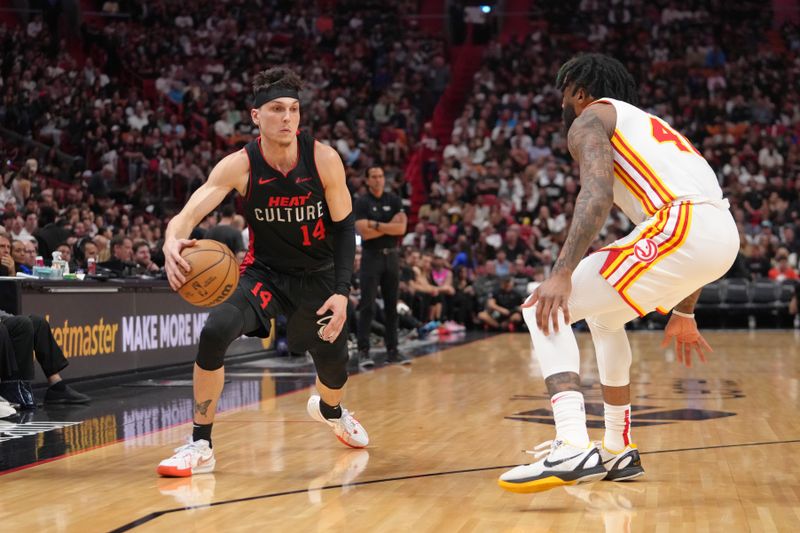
58	265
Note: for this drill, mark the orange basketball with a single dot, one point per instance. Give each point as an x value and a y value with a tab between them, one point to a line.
214	274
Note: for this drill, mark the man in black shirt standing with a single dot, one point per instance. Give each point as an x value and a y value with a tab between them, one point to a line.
380	220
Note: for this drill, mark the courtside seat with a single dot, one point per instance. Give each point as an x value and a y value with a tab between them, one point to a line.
710	297
786	291
735	295
763	295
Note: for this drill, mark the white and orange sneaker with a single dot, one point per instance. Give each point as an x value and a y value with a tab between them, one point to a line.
195	457
347	429
6	409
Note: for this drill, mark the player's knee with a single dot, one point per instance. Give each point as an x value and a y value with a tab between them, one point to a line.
612	351
223	326
529	315
333	380
598	326
331	365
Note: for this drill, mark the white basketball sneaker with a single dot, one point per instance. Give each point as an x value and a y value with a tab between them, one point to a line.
195	457
625	465
347	429
561	464
6	409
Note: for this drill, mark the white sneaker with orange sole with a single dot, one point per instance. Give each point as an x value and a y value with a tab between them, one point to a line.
195	457
6	409
347	429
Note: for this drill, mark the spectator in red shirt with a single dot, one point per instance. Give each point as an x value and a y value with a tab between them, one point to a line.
782	271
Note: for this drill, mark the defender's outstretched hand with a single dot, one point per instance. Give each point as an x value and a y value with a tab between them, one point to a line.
687	338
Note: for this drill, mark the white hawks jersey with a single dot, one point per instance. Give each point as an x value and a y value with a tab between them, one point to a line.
654	165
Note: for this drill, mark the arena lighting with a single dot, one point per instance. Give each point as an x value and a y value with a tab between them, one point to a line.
486	9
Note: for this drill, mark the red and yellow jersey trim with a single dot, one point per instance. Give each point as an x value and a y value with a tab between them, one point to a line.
644	178
635	189
618	254
669	230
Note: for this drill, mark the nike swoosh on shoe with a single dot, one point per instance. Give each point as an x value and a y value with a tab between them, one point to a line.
556	463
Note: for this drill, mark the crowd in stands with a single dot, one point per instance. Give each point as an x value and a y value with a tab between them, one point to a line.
133	121
501	200
162	94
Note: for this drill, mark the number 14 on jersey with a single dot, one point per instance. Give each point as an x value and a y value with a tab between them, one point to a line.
318	233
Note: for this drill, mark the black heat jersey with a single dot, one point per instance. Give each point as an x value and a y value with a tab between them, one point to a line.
287	213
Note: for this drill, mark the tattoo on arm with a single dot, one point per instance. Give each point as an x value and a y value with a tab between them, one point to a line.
563	381
202	407
590	146
687	304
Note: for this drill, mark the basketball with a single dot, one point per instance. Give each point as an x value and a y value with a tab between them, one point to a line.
213	276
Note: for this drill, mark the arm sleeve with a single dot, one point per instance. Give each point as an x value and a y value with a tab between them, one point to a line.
344	253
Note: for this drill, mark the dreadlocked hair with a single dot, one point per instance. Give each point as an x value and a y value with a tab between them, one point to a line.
600	76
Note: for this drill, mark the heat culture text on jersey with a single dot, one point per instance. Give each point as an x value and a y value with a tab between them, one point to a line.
290	209
287	213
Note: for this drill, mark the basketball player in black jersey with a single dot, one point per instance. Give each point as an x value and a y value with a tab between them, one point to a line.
299	262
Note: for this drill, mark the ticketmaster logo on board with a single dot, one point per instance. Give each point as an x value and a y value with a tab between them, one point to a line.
139	333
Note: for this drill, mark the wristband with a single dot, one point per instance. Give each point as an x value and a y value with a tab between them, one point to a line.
684	315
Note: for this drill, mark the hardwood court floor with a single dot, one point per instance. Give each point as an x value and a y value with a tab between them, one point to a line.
720	445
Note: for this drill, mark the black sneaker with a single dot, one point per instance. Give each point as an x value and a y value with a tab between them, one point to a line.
18	392
394	357
66	396
364	359
623	466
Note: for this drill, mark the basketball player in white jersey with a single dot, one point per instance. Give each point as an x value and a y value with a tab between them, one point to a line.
685	237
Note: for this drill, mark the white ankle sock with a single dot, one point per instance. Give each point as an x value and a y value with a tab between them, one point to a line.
570	418
618	427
